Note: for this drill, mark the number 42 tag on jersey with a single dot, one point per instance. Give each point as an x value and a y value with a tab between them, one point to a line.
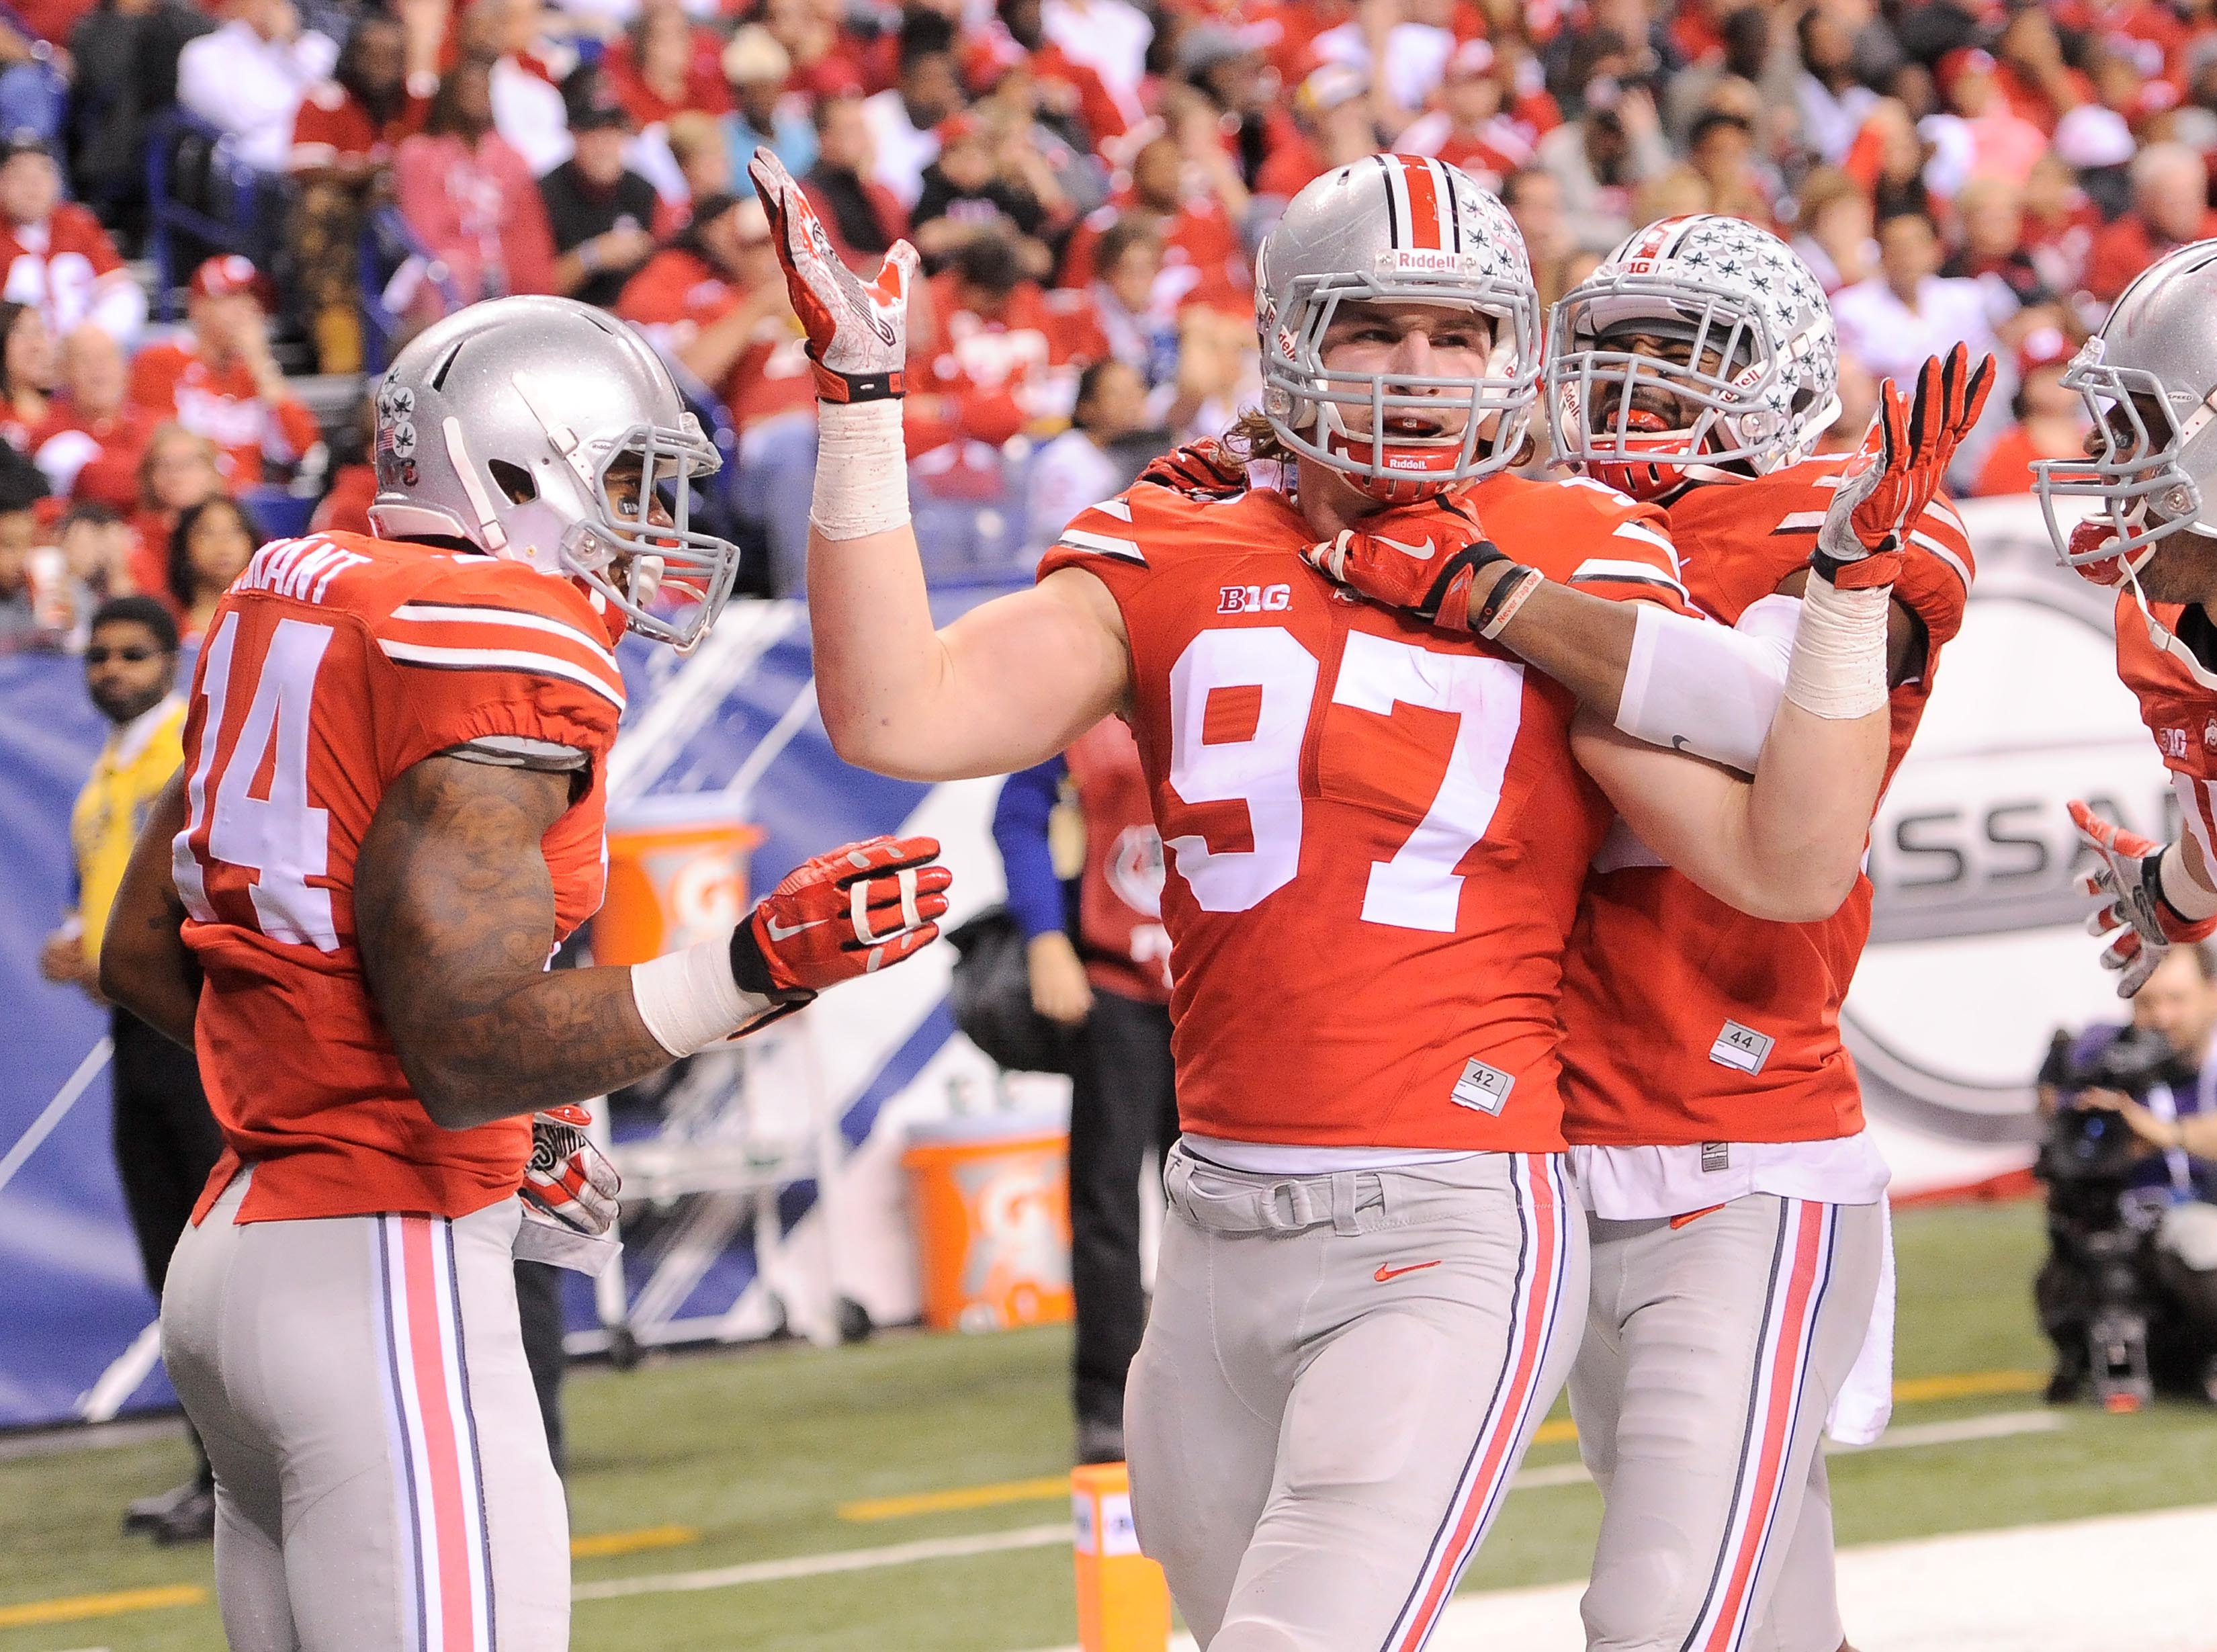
1484	1087
1742	1048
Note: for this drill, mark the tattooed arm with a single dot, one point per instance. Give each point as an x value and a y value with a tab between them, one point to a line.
144	965
454	915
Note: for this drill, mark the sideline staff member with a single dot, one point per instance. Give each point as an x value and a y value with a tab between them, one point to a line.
166	1140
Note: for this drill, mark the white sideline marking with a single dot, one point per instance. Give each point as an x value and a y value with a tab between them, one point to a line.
845	1560
1042	1536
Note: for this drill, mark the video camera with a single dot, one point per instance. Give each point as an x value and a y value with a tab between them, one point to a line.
2097	1284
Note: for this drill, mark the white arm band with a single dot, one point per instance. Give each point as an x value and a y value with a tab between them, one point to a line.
1707	689
861	469
688	1000
2181	890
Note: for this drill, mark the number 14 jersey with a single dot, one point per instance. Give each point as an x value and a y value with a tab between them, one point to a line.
1373	834
333	664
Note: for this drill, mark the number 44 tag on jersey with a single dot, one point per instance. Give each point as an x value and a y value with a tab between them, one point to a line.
1742	1048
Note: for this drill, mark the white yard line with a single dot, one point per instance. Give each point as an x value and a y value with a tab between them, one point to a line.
1998	1426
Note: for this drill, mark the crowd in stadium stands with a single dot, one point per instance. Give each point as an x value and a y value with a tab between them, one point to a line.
1086	180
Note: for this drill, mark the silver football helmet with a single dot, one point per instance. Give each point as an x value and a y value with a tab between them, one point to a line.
2155	474
1760	381
500	426
1397	229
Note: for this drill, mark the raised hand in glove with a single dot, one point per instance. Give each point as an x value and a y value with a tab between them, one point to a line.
1894	475
852	912
1202	470
568	1180
857	335
1421	558
2141	922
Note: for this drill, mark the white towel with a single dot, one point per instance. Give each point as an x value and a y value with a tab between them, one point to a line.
1864	1404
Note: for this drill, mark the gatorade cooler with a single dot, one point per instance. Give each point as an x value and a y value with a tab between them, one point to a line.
991	1203
677	874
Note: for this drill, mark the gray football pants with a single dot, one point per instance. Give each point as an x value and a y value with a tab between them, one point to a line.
1711	1359
1339	1377
382	1477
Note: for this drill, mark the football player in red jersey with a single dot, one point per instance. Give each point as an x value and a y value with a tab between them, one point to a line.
2150	381
1375	832
390	812
1715	1126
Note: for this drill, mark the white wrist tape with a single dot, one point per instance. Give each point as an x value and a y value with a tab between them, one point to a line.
1838	666
2181	890
688	1000
861	469
1707	689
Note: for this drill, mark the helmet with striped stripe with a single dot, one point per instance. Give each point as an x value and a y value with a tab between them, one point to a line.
1397	229
1701	348
505	425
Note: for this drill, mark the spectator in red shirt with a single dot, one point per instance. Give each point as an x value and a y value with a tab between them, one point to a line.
2051	421
862	217
994	360
93	436
663	63
715	300
2171	208
986	178
1467	127
54	255
1201	237
27	374
344	139
2031	73
825	63
470	198
224	384
175	472
1071	94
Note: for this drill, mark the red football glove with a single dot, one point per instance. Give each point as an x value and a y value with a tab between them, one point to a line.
1421	558
857	335
568	1180
1894	475
2091	535
848	913
2141	924
1202	470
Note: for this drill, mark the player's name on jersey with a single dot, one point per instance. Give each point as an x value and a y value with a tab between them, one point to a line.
300	569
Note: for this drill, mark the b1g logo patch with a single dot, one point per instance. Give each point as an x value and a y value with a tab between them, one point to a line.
1255	598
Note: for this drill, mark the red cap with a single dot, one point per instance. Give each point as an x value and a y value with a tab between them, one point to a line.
1963	60
1470	59
225	273
2043	347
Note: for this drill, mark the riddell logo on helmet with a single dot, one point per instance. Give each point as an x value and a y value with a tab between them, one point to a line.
1425	261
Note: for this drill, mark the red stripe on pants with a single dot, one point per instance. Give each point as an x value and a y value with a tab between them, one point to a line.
1510	1410
440	1448
1785	1378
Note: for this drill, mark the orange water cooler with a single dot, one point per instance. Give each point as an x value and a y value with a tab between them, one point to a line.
990	1198
677	875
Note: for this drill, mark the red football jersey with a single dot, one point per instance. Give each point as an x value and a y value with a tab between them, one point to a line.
1685	1020
173	380
1375	834
1120	888
57	267
333	664
2179	712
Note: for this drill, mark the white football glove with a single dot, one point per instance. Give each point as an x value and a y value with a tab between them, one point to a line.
569	1196
2142	924
857	335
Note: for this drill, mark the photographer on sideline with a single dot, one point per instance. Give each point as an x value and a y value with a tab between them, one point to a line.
2176	1183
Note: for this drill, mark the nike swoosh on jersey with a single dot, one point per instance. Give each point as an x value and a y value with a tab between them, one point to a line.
1387	1272
1421	552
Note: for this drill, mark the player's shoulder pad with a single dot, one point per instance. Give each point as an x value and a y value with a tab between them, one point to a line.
1141	529
490	613
1584	533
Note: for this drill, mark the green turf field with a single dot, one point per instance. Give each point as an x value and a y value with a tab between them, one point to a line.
752	1454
